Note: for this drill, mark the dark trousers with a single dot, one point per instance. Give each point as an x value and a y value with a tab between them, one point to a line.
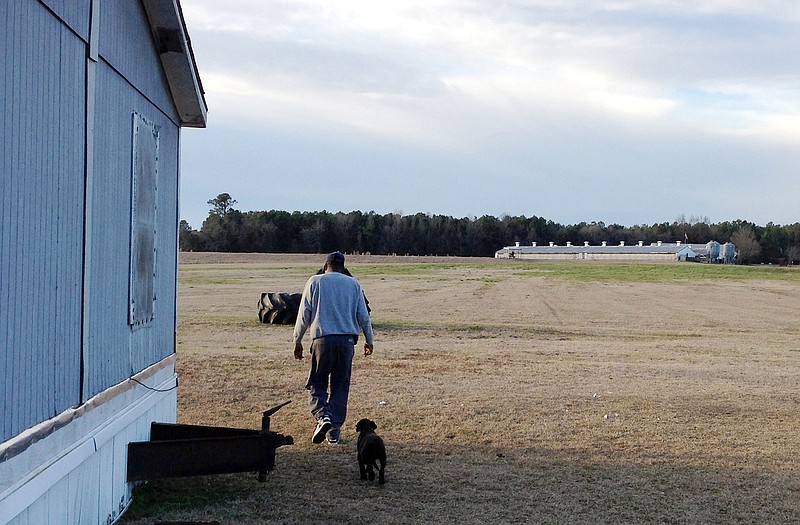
331	363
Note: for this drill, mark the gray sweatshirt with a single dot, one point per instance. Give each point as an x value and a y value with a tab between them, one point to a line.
332	304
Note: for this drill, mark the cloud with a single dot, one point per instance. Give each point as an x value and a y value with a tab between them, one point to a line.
546	97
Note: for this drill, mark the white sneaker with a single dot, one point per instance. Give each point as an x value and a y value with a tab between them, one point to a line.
323	425
333	435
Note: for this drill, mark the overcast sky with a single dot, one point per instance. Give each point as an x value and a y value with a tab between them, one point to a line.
621	111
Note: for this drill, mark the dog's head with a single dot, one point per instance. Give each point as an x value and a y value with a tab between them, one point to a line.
365	425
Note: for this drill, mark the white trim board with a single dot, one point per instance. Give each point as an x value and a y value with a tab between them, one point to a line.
27	490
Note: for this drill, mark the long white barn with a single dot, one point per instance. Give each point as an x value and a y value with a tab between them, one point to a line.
659	251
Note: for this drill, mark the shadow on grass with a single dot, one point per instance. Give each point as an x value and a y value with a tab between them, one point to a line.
186	497
475	485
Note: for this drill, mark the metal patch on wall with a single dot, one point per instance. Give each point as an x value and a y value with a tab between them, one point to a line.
144	188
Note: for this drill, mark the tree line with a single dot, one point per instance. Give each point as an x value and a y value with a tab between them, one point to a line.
229	230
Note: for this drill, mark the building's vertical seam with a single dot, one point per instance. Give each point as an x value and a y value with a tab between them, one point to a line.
92	56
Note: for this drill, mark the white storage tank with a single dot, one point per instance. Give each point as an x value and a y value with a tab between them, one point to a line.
728	253
713	249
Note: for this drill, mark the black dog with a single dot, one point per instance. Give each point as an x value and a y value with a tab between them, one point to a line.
371	450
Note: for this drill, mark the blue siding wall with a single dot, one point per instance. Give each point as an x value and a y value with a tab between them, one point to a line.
42	106
128	80
108	329
74	13
126	43
63	306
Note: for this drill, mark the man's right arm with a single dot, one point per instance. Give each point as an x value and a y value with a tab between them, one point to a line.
304	316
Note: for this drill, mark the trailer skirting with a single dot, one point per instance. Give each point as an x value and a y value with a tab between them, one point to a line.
72	468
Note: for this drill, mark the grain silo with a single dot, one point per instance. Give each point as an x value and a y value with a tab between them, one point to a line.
728	253
713	250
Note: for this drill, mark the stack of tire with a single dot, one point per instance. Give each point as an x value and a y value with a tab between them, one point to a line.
278	307
282	307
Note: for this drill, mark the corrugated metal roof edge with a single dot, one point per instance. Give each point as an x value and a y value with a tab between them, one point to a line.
177	58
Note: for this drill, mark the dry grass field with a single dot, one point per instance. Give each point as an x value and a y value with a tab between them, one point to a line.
506	392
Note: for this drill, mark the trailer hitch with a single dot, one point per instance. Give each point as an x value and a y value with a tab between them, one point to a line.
176	450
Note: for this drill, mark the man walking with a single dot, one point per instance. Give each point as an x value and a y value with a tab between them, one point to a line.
334	310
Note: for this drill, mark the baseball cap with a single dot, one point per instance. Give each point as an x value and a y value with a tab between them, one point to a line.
335	257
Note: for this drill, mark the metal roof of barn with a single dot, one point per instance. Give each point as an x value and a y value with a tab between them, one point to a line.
631	249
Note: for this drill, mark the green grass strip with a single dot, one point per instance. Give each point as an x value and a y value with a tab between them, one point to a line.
648	272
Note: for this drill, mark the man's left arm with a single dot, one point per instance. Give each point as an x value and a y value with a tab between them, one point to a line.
362	316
